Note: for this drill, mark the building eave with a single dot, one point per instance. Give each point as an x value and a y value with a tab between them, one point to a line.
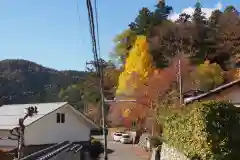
212	91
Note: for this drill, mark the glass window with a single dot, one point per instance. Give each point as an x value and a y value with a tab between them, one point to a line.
62	118
58	118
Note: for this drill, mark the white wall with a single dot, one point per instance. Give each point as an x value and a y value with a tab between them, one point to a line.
234	96
46	130
7	142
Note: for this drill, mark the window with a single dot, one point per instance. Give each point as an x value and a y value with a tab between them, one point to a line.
60	118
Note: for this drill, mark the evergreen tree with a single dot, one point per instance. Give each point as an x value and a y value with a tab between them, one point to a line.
231	9
199	21
183	18
215	53
143	22
147	19
198	16
162	11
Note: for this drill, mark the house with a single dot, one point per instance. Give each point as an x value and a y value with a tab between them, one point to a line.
229	92
54	123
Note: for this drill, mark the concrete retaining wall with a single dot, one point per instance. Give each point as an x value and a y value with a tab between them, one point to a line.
170	153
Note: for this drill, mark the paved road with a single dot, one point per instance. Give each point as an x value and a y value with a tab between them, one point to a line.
118	151
125	152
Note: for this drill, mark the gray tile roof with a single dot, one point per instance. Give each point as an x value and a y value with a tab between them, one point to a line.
10	114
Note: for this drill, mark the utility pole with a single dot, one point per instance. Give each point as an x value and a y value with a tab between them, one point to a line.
180	54
100	62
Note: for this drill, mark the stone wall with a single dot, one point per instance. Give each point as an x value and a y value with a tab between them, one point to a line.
142	142
169	153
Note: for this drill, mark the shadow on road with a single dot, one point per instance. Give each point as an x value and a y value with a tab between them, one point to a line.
110	151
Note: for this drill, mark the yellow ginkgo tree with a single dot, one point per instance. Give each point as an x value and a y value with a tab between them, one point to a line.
137	67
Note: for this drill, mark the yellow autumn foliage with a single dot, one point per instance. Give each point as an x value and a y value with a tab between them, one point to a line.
208	76
138	64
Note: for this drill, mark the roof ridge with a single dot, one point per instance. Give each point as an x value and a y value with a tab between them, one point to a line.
31	103
223	86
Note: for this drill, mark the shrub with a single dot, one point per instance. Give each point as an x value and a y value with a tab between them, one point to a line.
208	129
155	141
96	148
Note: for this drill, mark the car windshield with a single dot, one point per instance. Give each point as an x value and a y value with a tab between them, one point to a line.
126	136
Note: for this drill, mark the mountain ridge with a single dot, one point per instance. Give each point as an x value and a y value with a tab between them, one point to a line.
23	81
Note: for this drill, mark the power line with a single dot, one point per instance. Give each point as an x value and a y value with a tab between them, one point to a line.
79	18
99	70
97	28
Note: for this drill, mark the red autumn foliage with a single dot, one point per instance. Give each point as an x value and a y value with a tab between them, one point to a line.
160	82
157	85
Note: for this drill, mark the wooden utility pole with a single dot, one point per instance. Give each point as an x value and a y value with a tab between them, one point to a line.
104	126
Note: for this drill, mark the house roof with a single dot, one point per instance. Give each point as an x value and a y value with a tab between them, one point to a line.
215	90
10	114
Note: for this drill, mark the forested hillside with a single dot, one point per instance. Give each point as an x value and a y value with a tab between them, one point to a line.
23	81
162	59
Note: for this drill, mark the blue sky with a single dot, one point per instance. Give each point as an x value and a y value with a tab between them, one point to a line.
48	31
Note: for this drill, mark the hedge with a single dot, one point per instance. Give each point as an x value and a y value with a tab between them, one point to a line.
95	149
210	130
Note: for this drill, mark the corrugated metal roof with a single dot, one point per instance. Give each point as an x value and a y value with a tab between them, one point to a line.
10	114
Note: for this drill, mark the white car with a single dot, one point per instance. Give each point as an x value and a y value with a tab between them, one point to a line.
117	136
126	139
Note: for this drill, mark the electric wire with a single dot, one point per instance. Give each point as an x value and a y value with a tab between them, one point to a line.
97	27
92	33
99	70
79	19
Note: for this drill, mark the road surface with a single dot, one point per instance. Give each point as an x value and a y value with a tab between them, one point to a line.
125	152
118	151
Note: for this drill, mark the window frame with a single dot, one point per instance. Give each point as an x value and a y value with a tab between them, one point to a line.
60	118
63	118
